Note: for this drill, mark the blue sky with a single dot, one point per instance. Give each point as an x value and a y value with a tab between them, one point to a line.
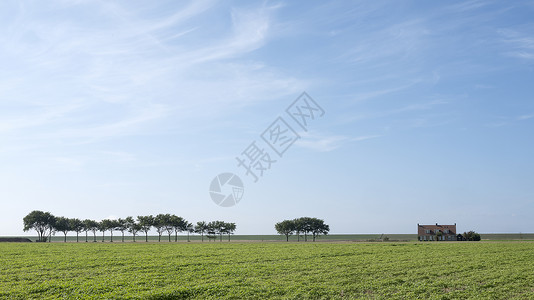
110	109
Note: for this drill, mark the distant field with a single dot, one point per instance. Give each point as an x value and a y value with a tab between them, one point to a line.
444	270
269	238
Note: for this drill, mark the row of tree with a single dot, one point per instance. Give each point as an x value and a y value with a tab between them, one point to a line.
47	224
304	225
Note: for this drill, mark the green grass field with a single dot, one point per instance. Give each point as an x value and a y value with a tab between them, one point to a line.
279	238
267	270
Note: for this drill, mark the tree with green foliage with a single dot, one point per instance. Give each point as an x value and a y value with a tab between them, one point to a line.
179	224
90	225
42	222
106	225
229	229
76	225
216	227
306	225
286	227
46	224
132	226
471	236
160	224
121	226
62	224
211	231
146	223
318	227
86	229
102	228
201	227
190	228
299	227
168	225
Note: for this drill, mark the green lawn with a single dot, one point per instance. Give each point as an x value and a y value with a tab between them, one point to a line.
267	270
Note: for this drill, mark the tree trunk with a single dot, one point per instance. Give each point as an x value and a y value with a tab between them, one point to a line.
65	237
86	238
123	236
176	236
77	234
103	233
287	237
94	236
111	240
202	235
146	236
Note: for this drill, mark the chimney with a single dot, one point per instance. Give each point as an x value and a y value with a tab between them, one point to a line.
436	224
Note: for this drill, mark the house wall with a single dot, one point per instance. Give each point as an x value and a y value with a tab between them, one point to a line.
429	232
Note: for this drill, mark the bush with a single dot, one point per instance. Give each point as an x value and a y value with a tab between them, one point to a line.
471	236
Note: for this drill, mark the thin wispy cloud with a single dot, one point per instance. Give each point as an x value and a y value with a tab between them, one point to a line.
519	44
138	67
326	143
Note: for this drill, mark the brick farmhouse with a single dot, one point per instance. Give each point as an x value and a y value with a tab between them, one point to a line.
437	232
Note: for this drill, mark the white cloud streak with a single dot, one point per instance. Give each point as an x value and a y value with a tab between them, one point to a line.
131	70
326	143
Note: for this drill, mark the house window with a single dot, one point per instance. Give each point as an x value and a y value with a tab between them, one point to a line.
446	231
427	230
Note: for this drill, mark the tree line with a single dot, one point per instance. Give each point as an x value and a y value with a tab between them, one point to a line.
305	225
46	225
